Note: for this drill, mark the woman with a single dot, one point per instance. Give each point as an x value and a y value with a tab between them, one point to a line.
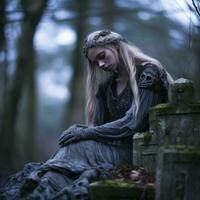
116	109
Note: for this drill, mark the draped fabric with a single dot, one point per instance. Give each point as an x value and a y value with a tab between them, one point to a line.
111	146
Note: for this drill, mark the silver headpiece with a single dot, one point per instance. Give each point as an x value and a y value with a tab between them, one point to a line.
101	38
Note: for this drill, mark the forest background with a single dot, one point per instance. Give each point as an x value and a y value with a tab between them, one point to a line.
42	68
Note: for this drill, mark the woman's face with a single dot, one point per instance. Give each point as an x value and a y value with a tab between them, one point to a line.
104	58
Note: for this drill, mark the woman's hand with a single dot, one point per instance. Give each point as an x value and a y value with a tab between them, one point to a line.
72	134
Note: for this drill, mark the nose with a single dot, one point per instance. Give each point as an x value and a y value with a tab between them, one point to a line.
100	63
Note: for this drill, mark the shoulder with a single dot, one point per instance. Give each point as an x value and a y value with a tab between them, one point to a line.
151	76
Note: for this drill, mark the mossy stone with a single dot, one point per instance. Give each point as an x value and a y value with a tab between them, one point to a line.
120	190
178	174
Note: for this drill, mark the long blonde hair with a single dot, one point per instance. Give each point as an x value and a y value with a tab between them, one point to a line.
130	56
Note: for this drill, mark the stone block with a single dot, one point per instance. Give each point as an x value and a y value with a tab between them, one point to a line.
177	122
178	173
148	157
120	190
145	151
138	140
178	128
181	92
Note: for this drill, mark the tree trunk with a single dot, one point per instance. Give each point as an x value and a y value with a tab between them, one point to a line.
3	73
75	108
108	20
33	11
197	64
30	113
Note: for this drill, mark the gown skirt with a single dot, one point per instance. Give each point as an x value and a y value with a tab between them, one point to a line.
65	167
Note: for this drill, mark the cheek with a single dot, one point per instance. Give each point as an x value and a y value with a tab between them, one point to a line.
111	59
115	61
107	60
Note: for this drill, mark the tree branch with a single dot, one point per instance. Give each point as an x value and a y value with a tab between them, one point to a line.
196	8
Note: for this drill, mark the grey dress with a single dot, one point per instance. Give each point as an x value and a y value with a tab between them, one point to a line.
110	145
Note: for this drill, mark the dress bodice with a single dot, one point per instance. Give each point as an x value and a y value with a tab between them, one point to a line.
110	107
118	104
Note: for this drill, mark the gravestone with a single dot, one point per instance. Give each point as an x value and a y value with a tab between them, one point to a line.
176	122
144	151
178	173
177	131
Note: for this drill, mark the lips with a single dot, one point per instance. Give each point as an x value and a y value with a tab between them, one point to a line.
108	68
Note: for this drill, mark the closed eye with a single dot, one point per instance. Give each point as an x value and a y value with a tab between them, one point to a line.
101	55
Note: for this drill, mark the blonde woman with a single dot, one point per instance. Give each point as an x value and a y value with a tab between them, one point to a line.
116	108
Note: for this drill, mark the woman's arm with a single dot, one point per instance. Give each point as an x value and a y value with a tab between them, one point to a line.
151	93
129	124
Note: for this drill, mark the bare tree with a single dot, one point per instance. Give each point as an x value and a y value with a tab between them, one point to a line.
33	11
75	108
195	41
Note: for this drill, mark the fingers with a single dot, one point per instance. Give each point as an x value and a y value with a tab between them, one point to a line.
64	133
65	138
81	126
70	138
69	141
67	132
60	140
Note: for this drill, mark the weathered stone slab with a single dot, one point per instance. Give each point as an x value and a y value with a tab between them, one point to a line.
148	154
178	173
178	121
178	129
120	190
144	151
181	92
138	140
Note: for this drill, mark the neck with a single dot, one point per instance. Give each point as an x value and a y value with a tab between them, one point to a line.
123	75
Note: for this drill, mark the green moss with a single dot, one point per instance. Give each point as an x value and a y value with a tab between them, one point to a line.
120	189
193	152
161	109
147	137
195	105
188	149
114	183
161	106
